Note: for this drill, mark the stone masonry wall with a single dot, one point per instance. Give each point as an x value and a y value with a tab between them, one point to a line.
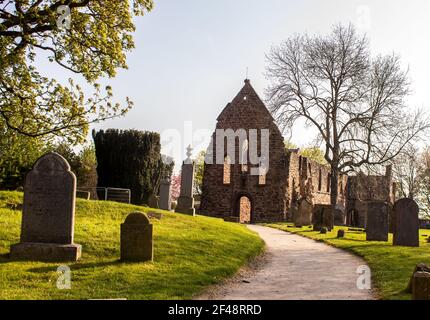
268	201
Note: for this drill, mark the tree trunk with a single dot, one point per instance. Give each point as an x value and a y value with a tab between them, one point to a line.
334	182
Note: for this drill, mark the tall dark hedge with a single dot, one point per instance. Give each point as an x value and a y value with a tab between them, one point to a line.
130	159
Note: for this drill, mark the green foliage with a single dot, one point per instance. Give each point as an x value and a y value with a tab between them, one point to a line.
94	46
313	153
198	178
391	266
17	155
83	164
190	253
130	159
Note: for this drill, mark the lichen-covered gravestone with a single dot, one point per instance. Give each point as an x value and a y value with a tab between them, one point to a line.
377	221
406	223
136	238
304	214
48	214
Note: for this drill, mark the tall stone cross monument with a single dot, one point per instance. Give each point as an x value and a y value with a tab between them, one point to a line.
186	200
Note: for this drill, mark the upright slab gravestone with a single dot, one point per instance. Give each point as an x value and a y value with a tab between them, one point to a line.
323	217
48	214
186	200
406	223
136	238
377	221
165	195
304	215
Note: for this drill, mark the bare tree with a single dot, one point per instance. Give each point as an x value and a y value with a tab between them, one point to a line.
424	187
356	102
406	172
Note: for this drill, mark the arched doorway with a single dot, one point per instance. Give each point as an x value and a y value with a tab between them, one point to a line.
244	209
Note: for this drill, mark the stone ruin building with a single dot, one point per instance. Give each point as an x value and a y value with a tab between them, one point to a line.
230	192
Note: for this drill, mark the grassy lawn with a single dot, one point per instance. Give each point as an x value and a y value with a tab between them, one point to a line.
391	266
190	253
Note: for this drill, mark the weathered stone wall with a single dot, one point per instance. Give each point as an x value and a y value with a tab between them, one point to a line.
268	201
289	179
364	188
311	181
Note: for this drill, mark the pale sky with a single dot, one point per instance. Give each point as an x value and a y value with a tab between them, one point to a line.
191	56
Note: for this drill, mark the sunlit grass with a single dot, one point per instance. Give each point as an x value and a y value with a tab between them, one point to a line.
391	266
190	253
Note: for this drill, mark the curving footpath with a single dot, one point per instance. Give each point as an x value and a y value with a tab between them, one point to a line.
295	268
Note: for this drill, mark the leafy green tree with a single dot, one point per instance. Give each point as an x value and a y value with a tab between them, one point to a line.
82	163
17	156
198	177
313	153
94	46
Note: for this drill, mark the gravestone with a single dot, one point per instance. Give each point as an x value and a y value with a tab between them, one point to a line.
304	213
421	286
153	201
323	217
165	195
377	221
186	200
390	218
293	212
420	267
339	217
341	233
406	223
47	227
136	238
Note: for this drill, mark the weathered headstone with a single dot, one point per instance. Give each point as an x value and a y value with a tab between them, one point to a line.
339	217
323	230
153	202
420	267
323	217
293	213
165	195
377	221
421	286
304	213
186	200
48	214
390	218
136	238
341	233
406	223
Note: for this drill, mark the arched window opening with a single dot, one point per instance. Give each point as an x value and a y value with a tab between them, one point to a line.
244	156
227	170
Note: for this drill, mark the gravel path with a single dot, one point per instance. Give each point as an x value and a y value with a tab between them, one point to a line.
294	268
